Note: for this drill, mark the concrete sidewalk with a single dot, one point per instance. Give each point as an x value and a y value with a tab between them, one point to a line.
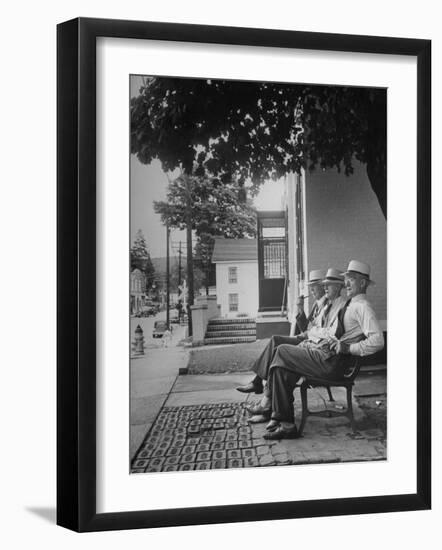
204	424
152	377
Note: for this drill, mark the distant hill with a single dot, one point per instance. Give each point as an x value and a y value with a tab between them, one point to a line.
159	264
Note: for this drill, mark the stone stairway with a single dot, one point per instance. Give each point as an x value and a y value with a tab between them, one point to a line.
230	331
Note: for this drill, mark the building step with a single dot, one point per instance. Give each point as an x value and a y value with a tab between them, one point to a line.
230	340
230	333
219	328
234	321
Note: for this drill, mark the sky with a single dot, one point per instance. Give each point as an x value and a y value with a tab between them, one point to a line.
148	183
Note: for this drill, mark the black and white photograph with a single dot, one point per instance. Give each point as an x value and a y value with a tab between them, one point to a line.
258	274
212	213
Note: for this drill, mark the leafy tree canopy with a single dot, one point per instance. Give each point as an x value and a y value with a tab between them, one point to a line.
259	130
209	205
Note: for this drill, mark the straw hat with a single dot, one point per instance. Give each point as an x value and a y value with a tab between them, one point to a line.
334	276
316	276
355	266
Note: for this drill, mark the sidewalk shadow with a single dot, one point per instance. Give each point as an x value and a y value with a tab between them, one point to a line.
48	514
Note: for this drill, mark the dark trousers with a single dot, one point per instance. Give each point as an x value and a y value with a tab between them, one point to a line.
262	364
288	365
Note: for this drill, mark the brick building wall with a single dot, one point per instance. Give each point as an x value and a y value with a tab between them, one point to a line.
343	222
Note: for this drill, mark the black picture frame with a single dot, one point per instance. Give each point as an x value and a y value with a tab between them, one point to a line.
76	272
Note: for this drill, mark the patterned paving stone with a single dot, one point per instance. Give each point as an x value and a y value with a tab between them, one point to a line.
251	462
204	456
235	463
172	460
214	436
248	453
190	457
174	451
145	454
205	465
159	453
140	463
195	436
219	455
234	453
170	468
157	461
153	469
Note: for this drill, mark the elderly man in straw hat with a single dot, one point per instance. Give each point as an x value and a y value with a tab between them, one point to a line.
323	314
355	331
262	364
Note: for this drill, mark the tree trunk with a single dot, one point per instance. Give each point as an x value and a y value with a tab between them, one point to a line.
377	174
376	149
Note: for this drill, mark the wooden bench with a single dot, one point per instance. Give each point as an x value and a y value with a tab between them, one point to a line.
347	382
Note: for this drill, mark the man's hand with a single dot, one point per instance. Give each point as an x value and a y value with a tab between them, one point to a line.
340	347
300	305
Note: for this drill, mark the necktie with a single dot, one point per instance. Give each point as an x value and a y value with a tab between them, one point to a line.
313	313
340	330
326	311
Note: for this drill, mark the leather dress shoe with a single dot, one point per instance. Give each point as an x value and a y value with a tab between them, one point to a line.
272	425
258	409
259	418
252	387
282	433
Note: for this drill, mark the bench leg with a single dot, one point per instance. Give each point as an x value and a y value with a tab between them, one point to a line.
350	407
303	389
330	395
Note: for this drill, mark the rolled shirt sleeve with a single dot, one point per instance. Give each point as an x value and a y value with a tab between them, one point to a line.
369	326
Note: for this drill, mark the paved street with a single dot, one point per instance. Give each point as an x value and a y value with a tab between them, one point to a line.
204	425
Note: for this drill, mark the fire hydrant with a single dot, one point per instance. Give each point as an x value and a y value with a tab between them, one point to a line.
138	344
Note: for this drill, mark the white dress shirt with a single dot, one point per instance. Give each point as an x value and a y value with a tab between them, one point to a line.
360	319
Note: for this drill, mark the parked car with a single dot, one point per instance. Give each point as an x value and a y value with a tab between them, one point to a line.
145	311
159	328
154	306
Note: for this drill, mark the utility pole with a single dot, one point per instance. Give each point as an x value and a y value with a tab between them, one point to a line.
189	274
179	265
179	286
167	276
190	293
